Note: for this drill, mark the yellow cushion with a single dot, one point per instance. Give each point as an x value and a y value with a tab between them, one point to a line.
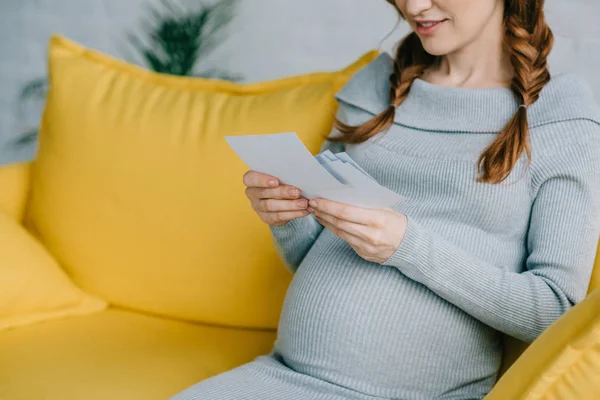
119	355
563	363
33	288
140	198
14	184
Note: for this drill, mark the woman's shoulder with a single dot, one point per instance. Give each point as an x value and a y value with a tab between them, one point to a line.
566	116
567	96
369	87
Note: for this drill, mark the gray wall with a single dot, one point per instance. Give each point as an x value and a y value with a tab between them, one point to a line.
269	39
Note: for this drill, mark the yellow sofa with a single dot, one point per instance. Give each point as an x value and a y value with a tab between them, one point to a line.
150	315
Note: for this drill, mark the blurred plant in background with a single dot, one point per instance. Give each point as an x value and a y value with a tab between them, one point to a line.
31	102
175	40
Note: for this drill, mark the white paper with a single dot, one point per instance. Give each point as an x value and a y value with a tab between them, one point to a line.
284	156
346	158
325	163
330	176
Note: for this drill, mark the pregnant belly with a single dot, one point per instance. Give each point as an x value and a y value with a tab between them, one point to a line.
368	327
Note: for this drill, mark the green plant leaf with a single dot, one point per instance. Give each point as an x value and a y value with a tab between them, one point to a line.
26	138
176	39
35	88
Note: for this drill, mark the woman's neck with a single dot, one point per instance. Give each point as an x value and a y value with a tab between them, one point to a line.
475	69
482	63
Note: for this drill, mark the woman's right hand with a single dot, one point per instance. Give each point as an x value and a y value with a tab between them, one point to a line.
275	204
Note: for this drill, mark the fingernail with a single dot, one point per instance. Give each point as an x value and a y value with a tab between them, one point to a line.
314	203
272	182
310	209
293	192
301	203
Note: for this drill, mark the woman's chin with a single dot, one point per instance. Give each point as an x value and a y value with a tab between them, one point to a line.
436	47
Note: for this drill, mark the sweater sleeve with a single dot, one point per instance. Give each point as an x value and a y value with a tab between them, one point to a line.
562	238
293	239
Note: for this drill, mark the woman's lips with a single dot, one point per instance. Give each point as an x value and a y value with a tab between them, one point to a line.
427	28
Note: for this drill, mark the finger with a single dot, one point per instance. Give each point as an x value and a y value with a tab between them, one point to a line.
348	237
257	179
347	212
285	216
280	192
275	205
358	230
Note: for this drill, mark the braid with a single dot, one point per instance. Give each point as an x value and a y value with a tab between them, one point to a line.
410	62
529	53
529	42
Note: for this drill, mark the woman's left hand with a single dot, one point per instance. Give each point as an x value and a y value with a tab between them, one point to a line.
374	234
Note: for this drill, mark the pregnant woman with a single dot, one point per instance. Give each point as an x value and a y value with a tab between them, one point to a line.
500	166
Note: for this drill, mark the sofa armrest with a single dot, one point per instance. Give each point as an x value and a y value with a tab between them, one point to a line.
562	362
595	279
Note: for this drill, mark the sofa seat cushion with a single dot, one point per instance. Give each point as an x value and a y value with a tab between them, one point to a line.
117	354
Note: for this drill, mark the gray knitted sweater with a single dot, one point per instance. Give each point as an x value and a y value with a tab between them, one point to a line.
477	260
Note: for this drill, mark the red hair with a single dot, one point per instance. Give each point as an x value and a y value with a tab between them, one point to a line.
527	39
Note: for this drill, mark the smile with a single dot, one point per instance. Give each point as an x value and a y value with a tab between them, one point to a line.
428	27
428	24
